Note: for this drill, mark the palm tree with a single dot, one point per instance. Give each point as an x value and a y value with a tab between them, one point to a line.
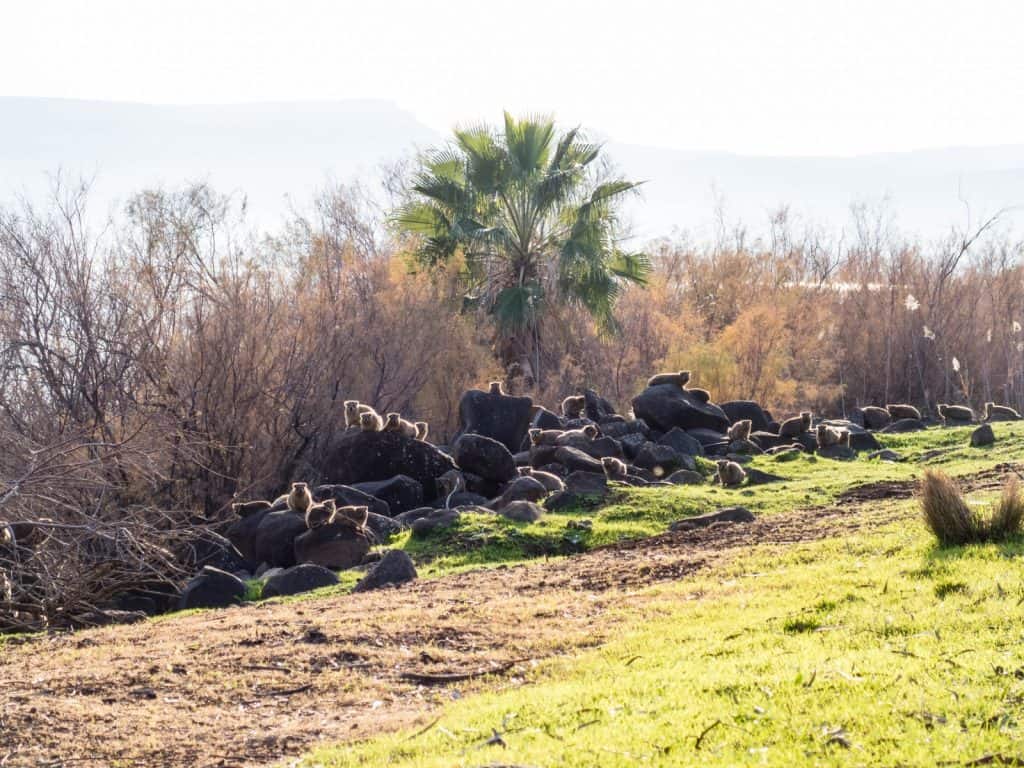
534	216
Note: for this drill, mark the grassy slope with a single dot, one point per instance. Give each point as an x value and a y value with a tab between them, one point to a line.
635	513
875	649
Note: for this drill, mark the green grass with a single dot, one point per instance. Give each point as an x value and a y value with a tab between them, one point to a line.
873	649
481	540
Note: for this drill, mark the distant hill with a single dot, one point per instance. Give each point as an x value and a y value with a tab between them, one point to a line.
273	152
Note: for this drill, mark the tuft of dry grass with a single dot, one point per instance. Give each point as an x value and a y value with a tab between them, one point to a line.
1008	513
954	523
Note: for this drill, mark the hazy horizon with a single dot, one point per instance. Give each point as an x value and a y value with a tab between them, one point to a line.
812	104
278	154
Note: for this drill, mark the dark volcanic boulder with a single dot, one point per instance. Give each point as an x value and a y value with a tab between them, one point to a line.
682	442
580	487
737	410
500	417
707	437
619	429
864	441
769	440
209	548
663	460
382	528
361	457
522	512
267	537
521	489
666	405
431	520
347	496
485	457
599	448
904	425
574	459
596	407
545	419
541	455
396	567
336	546
298	579
685	477
982	436
727	515
400	492
212	588
632	444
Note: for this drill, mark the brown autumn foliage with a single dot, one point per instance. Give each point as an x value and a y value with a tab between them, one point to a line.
174	360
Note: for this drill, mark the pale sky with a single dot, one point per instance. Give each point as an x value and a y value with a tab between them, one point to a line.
798	77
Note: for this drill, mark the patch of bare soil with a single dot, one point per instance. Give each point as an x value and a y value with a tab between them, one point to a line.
257	684
986	480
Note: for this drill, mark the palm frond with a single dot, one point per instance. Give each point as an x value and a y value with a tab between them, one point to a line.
528	142
516	308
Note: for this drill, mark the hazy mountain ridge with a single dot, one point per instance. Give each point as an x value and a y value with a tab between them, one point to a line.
278	150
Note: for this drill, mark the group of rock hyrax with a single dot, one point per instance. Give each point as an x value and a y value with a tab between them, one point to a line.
516	459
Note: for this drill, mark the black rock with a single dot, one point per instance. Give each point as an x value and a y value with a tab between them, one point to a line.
499	417
544	419
522	512
769	440
706	437
759	477
904	425
983	436
727	515
360	457
212	588
267	537
619	429
666	405
737	410
300	578
523	488
400	492
682	442
864	441
601	447
581	488
587	483
337	546
209	548
632	444
436	518
663	460
347	496
395	567
484	456
574	459
885	454
540	455
685	477
382	528
597	408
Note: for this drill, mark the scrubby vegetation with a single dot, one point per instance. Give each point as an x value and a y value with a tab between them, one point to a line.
955	521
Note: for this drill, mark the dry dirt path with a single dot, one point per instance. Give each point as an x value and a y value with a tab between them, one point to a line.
256	684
